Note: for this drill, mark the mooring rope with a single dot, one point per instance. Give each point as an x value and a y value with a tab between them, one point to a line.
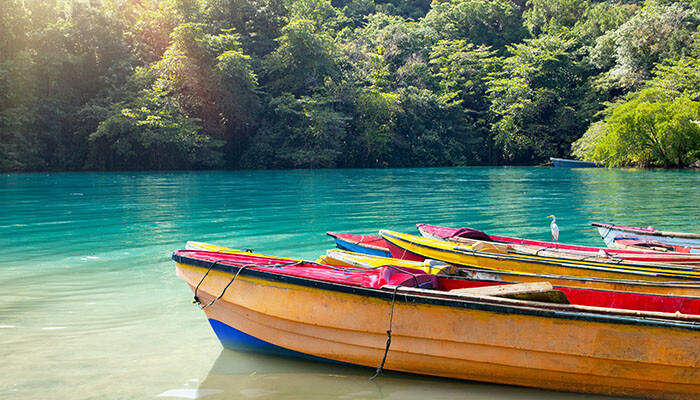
391	319
605	236
388	336
196	299
240	269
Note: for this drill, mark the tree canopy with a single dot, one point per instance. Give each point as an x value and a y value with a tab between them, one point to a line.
190	84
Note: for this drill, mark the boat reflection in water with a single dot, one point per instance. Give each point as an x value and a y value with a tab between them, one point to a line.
242	375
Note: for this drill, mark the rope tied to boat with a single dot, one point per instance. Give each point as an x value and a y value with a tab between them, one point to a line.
605	236
388	336
380	368
196	299
240	269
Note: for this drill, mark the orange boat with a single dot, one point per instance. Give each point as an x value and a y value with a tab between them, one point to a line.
443	326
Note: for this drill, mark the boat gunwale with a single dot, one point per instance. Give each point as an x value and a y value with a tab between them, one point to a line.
573	161
636	269
643	231
475	303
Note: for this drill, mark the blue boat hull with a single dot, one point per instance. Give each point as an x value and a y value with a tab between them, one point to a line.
564	163
357	248
234	339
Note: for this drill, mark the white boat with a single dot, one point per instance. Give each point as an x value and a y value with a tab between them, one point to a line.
610	233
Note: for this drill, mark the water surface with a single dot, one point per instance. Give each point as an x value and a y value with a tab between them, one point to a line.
90	306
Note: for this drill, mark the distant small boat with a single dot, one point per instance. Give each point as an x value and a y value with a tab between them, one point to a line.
406	320
610	232
365	244
566	163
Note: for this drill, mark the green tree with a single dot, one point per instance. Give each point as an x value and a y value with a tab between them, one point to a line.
17	141
152	136
462	71
652	130
494	23
539	100
258	22
302	62
373	127
210	78
656	32
304	132
657	125
554	16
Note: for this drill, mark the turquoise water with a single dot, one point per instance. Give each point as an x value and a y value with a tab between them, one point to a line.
90	306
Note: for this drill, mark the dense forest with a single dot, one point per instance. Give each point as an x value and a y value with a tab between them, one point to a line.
189	84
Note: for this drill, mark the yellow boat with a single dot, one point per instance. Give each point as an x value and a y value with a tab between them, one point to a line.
322	312
192	245
342	257
352	259
493	256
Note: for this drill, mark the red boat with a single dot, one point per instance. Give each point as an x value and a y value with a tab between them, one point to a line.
364	244
637	256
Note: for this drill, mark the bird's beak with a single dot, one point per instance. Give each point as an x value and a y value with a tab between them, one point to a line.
550	216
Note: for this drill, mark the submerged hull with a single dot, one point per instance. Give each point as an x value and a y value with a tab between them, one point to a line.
465	339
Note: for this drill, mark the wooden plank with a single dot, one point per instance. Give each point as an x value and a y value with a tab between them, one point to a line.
533	291
480	245
499	290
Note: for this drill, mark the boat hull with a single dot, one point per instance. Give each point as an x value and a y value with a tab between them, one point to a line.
364	244
567	163
467	340
609	233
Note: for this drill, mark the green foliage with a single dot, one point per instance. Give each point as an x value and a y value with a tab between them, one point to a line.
461	70
655	126
433	133
209	77
303	60
300	132
494	23
157	84
373	125
152	134
537	100
656	32
652	130
554	16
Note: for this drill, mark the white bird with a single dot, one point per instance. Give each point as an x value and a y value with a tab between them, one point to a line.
554	227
